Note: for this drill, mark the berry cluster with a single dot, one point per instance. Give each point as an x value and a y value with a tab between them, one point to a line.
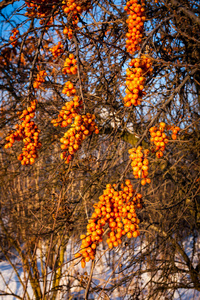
68	32
174	131
159	138
135	23
69	89
117	209
140	163
141	66
40	79
28	132
83	126
70	65
69	111
136	79
73	8
57	50
15	32
40	8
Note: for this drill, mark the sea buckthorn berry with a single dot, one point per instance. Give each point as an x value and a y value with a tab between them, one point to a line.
135	80
68	32
74	137
140	163
83	263
81	127
175	131
70	65
57	50
69	89
27	132
121	219
139	67
162	124
135	24
13	37
68	112
40	8
73	9
159	138
40	79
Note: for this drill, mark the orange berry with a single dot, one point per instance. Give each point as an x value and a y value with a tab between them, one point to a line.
129	235
115	243
143	181
162	124
174	136
83	263
77	255
110	245
148	180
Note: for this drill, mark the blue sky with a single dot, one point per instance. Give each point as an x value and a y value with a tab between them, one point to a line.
11	16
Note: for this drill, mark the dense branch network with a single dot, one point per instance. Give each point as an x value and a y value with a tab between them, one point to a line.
111	88
83	125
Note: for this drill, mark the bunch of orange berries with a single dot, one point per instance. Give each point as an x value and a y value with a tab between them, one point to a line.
69	89
70	65
141	66
28	132
70	6
40	8
83	126
73	9
69	111
15	32
140	163
57	50
136	79
159	138
174	130
135	23
68	32
117	209
40	79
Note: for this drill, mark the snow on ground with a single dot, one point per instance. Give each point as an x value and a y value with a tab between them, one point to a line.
103	275
10	283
